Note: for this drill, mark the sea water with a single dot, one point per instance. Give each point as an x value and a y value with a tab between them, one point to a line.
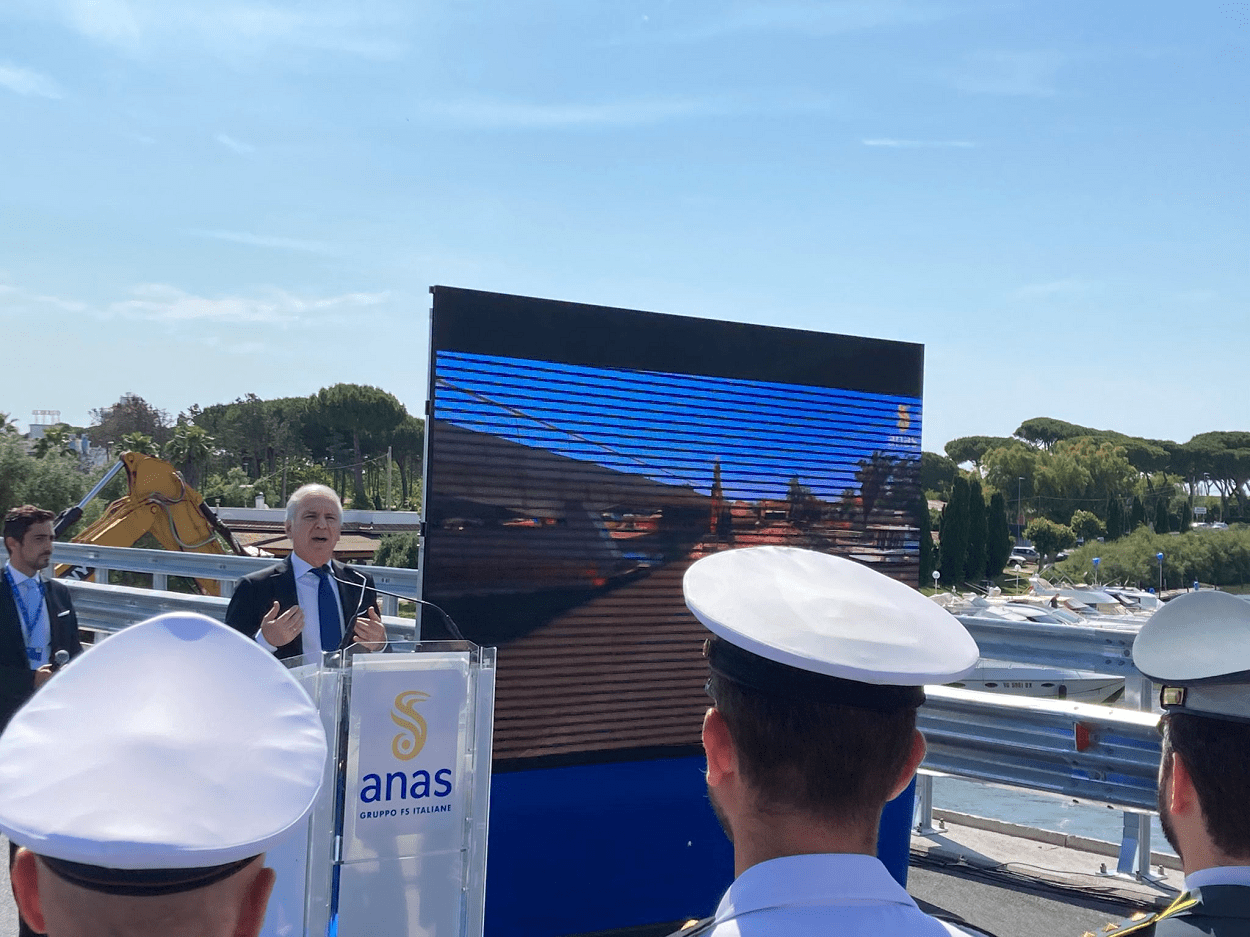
1040	811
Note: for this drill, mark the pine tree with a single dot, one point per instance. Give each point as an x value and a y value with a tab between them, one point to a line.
954	534
974	561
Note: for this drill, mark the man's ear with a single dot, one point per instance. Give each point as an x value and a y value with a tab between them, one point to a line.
25	878
722	759
914	757
255	902
1182	797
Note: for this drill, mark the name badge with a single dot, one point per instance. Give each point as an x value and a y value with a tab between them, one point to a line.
35	654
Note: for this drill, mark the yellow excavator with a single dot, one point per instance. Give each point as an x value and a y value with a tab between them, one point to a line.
159	502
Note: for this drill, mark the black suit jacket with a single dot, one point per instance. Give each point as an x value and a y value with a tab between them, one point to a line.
17	680
256	592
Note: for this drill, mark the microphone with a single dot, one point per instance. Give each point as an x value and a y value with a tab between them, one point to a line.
60	659
451	625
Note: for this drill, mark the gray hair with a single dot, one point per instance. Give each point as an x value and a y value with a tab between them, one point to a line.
292	504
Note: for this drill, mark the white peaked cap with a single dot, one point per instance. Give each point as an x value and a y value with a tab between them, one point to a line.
175	744
1198	648
829	616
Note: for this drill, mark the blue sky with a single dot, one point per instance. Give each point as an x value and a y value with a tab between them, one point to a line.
205	198
674	427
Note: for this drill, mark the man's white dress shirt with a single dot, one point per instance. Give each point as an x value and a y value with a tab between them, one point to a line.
831	895
306	585
30	599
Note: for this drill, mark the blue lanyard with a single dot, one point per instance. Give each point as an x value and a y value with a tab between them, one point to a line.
29	620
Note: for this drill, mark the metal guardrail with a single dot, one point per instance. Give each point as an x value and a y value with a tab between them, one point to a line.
1091	753
1101	649
106	609
225	568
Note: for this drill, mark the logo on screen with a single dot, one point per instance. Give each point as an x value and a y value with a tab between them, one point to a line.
408	742
904	416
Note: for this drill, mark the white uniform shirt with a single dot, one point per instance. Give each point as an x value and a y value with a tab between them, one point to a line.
39	641
1218	875
831	895
306	585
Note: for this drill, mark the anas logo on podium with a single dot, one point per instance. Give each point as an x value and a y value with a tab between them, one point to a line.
407	732
408	743
410	845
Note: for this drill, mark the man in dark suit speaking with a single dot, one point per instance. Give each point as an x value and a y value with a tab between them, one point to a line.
309	603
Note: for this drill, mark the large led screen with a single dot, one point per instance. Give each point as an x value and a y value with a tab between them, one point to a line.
580	458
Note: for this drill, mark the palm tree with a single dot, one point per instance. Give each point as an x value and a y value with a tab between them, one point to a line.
7	426
139	442
189	449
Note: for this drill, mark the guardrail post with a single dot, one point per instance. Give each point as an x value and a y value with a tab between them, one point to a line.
160	581
227	587
923	815
390	605
1135	841
102	575
1135	844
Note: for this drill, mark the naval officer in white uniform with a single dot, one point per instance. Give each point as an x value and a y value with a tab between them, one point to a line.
145	806
818	665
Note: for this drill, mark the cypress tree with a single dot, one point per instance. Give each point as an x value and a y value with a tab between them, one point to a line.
974	561
954	534
1137	514
998	540
1187	517
1162	524
920	513
1115	519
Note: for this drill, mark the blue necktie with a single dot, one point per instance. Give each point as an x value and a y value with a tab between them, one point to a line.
328	612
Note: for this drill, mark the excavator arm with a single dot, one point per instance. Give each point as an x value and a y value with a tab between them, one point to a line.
158	502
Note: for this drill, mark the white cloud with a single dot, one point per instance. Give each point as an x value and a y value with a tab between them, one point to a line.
159	302
919	144
1026	74
261	240
230	143
809	17
16	298
235	27
515	115
29	83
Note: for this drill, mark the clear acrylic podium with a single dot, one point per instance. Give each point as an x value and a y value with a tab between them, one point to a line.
396	843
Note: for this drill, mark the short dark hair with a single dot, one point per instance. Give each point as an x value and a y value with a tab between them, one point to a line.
21	519
829	760
1217	754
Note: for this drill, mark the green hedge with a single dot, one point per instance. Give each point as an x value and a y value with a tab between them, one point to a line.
1215	557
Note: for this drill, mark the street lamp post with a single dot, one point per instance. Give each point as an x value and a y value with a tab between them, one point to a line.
936	576
1159	557
1019	508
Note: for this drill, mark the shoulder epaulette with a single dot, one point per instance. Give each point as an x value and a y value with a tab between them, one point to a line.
1146	925
693	928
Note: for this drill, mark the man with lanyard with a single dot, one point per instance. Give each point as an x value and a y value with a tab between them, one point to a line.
36	617
818	665
1198	648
